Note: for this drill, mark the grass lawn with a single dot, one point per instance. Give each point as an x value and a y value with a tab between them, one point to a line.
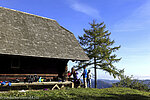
80	94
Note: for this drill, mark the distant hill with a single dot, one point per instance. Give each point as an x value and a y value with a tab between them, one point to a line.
103	83
110	81
145	81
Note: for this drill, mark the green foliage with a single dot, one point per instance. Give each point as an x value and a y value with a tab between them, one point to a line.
127	81
82	94
97	45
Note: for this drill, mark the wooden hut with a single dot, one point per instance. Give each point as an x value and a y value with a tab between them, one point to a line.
30	44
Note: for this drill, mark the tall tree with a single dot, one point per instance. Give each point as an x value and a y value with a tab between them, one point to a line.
97	45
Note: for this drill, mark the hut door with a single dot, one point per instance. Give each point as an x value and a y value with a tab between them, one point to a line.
15	64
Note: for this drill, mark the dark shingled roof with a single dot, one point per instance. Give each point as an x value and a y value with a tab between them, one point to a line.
30	35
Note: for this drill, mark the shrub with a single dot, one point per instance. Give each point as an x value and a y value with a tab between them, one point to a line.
127	81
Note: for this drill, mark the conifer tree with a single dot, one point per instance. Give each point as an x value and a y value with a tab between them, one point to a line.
97	45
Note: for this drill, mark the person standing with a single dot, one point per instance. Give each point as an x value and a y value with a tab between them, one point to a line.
85	76
74	73
69	74
89	76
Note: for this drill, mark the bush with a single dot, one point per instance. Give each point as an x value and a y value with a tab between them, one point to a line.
127	81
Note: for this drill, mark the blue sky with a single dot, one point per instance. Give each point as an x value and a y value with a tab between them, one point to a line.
127	20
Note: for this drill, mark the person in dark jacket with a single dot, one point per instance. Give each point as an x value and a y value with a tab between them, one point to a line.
75	74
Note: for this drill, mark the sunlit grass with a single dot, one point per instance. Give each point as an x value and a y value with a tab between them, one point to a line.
83	94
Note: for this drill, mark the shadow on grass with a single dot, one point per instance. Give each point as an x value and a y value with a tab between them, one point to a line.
108	97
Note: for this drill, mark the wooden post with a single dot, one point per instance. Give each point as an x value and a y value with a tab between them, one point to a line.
72	85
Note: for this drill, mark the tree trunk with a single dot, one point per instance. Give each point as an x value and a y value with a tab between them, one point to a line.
95	73
95	64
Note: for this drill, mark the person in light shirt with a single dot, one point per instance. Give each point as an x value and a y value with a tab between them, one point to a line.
89	76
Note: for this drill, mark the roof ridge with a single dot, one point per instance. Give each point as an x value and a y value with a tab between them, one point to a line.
36	16
27	13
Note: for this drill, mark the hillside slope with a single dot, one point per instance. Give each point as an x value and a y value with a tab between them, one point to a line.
83	94
101	84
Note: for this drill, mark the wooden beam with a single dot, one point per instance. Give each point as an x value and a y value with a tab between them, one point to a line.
28	74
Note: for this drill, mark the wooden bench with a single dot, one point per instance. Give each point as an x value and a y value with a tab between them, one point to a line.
50	85
21	77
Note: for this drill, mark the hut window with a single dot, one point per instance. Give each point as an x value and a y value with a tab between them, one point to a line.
15	62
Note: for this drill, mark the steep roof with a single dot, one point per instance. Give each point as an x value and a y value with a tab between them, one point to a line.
30	35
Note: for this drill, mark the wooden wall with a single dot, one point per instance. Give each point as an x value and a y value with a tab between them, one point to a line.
31	65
